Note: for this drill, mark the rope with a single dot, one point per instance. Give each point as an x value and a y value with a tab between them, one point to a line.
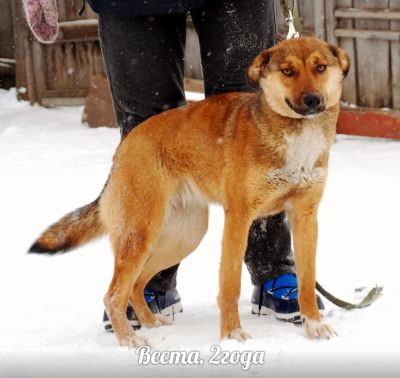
292	19
371	297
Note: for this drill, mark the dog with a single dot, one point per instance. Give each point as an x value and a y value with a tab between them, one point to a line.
256	154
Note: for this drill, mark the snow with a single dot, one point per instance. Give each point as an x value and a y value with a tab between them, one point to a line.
51	307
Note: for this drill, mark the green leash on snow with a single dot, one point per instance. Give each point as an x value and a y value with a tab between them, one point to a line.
371	297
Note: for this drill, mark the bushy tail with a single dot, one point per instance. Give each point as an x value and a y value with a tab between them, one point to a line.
71	231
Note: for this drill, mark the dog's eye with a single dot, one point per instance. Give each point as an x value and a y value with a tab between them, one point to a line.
320	67
287	72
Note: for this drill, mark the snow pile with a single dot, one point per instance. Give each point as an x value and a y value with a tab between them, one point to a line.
51	307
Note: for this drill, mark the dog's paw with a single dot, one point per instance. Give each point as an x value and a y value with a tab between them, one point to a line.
239	334
157	320
134	341
319	330
164	320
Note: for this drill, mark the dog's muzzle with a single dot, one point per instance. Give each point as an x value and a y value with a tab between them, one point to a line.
311	104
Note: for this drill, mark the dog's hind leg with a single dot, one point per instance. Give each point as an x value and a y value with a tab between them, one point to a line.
131	252
135	220
184	228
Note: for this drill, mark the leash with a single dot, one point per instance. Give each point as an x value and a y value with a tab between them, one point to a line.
294	31
371	297
292	19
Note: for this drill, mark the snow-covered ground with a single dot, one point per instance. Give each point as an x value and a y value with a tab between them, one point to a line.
51	307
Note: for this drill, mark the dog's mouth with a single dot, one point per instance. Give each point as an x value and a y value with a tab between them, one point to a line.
305	111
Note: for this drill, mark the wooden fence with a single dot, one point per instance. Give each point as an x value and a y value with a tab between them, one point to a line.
7	59
369	30
59	73
370	33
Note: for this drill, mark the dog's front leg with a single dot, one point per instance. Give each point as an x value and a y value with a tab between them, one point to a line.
303	219
236	229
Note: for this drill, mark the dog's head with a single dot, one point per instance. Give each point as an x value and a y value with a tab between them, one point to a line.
300	77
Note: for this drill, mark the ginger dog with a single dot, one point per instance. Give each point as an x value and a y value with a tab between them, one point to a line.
256	154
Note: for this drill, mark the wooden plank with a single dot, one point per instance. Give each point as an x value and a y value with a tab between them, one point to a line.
330	21
319	19
62	10
373	78
63	101
79	30
98	58
78	39
69	66
369	122
7	66
8	61
29	72
82	72
39	68
91	58
7	69
23	68
66	92
395	58
55	66
369	34
83	68
50	66
19	33
307	13
350	85
6	30
367	13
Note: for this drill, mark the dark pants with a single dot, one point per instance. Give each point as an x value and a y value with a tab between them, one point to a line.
144	60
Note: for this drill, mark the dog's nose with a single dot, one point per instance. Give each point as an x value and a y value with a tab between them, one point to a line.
312	100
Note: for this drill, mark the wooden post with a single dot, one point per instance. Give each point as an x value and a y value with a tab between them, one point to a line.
24	73
319	19
373	59
38	67
330	21
350	85
395	58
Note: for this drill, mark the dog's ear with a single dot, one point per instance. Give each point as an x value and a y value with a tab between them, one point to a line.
254	70
342	57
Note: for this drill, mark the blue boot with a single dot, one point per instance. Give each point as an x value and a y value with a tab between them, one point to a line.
164	302
279	297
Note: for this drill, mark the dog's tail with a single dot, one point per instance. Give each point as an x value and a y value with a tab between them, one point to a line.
71	231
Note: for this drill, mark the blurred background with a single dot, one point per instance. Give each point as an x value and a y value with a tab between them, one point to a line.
70	71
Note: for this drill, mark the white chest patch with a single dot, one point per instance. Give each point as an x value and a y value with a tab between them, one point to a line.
302	152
